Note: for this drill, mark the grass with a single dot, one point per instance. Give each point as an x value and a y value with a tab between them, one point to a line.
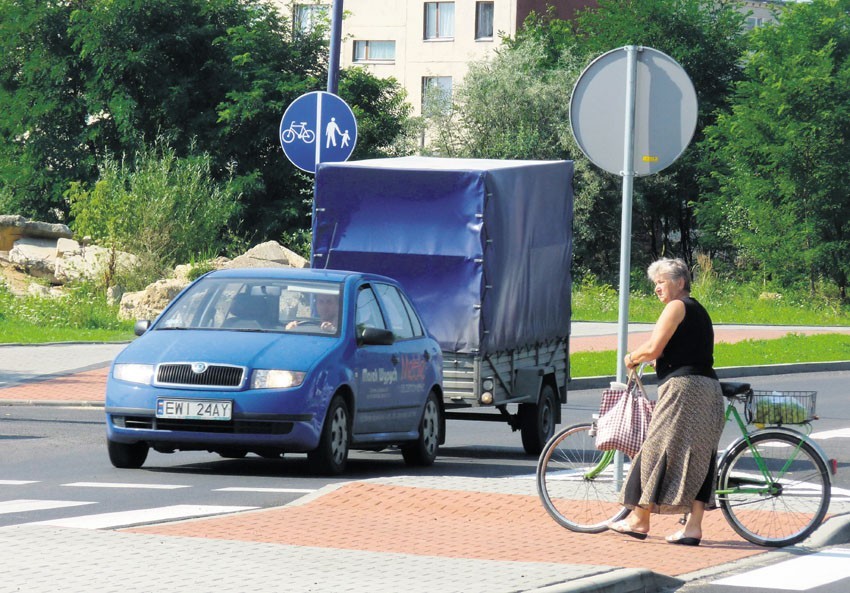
81	316
793	348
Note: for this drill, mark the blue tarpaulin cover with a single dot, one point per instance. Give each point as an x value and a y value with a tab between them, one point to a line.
483	247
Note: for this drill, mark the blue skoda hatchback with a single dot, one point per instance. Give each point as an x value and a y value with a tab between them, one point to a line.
270	361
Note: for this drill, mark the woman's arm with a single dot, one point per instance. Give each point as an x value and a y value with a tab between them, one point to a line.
665	327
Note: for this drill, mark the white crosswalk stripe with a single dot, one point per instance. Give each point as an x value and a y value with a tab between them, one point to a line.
799	574
17	482
27	505
126	485
141	516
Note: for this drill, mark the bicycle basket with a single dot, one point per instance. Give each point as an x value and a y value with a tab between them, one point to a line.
780	407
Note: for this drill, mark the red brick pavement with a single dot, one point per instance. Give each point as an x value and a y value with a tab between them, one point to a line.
377	517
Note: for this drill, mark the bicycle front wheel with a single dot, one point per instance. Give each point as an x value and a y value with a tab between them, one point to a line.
775	492
575	481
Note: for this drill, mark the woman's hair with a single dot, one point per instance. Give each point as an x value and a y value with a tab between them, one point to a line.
674	269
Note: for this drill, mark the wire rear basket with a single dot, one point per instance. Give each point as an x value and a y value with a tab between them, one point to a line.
775	408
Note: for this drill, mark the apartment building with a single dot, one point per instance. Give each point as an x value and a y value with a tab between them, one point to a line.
426	46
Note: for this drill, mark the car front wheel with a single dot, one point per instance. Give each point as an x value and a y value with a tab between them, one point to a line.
127	455
423	451
331	455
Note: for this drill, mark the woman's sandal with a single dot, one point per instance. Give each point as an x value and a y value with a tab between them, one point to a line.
678	538
623	528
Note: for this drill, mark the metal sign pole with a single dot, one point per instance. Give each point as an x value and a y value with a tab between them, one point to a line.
628	174
335	43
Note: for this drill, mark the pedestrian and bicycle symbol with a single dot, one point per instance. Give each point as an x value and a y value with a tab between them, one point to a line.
317	127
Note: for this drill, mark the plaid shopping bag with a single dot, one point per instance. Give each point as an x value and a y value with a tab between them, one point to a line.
624	416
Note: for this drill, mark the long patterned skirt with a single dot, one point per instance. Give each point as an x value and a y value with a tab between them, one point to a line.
676	464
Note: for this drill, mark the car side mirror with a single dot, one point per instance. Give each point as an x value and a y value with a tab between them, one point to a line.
373	336
141	326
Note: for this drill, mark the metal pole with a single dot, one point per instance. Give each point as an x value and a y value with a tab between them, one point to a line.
628	174
335	45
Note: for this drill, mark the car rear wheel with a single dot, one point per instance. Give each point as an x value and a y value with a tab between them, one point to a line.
127	455
331	455
423	451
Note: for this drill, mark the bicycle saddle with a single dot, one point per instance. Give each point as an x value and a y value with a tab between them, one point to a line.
732	389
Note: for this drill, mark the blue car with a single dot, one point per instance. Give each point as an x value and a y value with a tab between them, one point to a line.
270	361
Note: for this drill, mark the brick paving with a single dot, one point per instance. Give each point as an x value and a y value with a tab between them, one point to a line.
461	524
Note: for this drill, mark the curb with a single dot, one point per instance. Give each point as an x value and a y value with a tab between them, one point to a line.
620	580
727	373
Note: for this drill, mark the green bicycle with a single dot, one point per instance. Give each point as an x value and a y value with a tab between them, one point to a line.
773	484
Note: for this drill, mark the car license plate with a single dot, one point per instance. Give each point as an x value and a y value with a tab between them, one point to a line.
194	409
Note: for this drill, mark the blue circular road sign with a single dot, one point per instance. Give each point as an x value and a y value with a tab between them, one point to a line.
317	127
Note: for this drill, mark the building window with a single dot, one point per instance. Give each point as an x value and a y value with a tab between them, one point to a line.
307	17
374	51
753	22
484	20
436	94
439	20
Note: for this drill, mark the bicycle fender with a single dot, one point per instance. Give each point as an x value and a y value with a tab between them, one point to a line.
774	430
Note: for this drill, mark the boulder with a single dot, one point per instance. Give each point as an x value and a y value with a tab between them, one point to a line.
270	254
13	227
36	257
74	261
148	303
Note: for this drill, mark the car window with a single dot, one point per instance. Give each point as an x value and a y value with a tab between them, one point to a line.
418	330
256	304
368	311
397	315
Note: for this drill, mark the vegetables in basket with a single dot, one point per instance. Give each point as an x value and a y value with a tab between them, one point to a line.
779	410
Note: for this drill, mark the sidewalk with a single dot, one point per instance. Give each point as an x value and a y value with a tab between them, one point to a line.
417	534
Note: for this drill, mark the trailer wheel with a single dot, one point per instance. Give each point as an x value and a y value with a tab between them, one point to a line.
537	421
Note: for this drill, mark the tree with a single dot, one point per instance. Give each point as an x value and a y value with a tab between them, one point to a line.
779	157
212	76
164	209
43	112
516	104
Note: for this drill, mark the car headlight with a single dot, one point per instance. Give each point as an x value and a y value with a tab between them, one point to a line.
276	379
134	373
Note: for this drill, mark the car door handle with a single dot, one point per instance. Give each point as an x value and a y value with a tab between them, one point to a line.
427	356
394	359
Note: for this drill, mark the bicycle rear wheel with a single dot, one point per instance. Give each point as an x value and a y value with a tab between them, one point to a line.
788	505
575	481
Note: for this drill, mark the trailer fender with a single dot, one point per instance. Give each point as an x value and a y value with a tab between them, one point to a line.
529	381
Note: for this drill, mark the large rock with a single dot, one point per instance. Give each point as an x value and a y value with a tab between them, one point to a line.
148	303
270	254
36	257
74	261
14	227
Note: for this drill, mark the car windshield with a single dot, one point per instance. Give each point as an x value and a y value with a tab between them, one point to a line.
257	304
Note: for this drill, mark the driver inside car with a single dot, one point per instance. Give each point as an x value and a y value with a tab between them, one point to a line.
327	307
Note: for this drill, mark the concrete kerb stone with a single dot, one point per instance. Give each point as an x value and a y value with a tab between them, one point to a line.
602	382
621	580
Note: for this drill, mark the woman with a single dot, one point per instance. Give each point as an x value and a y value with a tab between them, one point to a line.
674	471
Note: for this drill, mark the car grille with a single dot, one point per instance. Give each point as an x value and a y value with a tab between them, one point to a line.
214	375
232	427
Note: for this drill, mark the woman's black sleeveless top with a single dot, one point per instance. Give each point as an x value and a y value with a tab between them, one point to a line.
691	349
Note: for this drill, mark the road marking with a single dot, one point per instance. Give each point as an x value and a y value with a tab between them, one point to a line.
125	485
839	433
17	482
273	490
799	574
25	505
138	517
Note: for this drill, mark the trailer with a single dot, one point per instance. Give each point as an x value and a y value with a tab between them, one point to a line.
483	247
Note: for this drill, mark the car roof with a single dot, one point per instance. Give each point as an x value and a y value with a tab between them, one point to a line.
301	274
